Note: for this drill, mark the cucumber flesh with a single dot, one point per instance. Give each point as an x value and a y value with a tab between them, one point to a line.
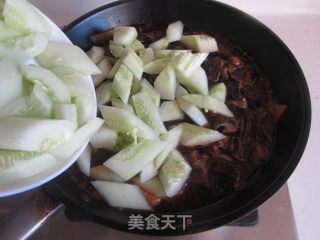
125	122
174	173
169	53
96	54
136	46
166	84
174	31
39	103
136	86
170	111
55	88
159	44
208	103
122	195
116	49
124	141
219	92
84	161
105	67
15	108
104	138
11	84
9	158
194	135
196	83
114	69
200	43
147	87
156	66
27	134
192	111
131	160
116	102
153	186
124	35
148	112
85	109
103	173
122	83
65	111
187	63
63	54
7	32
133	62
147	55
83	134
104	93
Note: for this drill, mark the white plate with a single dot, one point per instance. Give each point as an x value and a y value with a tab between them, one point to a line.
39	179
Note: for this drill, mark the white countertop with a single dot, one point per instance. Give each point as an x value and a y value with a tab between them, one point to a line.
297	23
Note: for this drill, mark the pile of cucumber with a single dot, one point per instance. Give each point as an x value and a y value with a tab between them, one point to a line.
146	160
47	102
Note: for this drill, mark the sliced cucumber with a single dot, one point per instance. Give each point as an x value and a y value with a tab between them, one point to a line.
83	134
104	174
174	173
169	53
159	44
136	46
50	82
136	86
9	158
187	63
124	35
196	83
156	66
114	69
124	141
96	54
65	111
122	83
24	47
86	108
133	62
104	93
116	102
153	186
148	112
104	138
84	161
122	195
131	160
200	43
147	55
208	103
147	87
219	92
125	122
166	84
170	111
7	32
171	139
11	84
194	135
39	103
28	134
192	111
116	49
16	108
174	31
63	54
22	16
105	67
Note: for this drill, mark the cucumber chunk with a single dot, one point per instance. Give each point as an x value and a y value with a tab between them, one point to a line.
169	53
159	44
105	67
219	92
24	47
192	111
114	69
7	32
174	173
63	54
148	112
170	111
15	108
133	62
116	49
136	46
147	55
48	81
124	35
85	109
28	134
147	87
104	138
39	103
11	84
65	111
196	83
187	63
153	186
122	83
208	103
104	93
104	174
116	102
131	160
9	158
125	122
194	135
166	83
122	195
156	66
95	54
174	31
84	161
200	43
136	87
